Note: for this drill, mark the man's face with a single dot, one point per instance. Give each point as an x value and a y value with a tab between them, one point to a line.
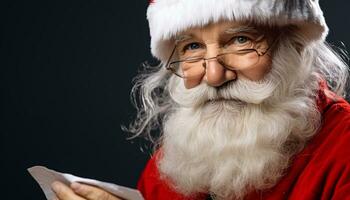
226	136
220	38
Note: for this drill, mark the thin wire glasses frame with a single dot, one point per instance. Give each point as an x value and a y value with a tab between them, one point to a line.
197	59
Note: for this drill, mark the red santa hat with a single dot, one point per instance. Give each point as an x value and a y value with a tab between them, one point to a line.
169	17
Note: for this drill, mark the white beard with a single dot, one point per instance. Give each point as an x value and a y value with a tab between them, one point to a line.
235	139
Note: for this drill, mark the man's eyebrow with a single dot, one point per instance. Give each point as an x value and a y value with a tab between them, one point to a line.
246	29
232	30
181	38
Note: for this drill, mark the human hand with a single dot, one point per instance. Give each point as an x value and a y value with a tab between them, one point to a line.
79	191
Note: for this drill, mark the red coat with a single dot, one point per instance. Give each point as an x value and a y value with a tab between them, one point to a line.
321	171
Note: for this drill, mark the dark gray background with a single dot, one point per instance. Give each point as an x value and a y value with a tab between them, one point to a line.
66	71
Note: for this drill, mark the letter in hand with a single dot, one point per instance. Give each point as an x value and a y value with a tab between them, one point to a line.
79	191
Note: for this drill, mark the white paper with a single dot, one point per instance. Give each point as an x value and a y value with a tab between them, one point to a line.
45	177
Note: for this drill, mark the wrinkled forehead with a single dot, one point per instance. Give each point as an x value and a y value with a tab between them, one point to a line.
218	29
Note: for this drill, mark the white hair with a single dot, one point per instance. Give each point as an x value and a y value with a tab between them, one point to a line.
238	137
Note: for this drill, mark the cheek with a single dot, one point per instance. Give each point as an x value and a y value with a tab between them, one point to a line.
195	76
192	83
258	71
194	72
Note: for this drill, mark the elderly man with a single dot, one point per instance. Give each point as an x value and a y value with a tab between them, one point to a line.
248	101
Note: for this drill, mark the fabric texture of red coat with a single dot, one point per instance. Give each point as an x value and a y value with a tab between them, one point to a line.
321	171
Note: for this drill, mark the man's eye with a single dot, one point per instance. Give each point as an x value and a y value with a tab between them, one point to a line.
241	40
192	46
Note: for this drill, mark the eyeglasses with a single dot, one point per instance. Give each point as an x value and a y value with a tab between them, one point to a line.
231	58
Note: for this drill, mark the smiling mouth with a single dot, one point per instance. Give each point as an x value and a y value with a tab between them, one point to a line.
223	100
219	100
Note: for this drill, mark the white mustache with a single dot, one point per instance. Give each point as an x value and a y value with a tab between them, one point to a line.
244	90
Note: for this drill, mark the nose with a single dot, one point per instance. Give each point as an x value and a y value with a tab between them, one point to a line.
216	74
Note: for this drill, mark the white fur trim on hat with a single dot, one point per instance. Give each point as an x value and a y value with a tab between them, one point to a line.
170	17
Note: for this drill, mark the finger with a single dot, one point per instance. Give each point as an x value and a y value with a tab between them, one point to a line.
92	193
63	192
